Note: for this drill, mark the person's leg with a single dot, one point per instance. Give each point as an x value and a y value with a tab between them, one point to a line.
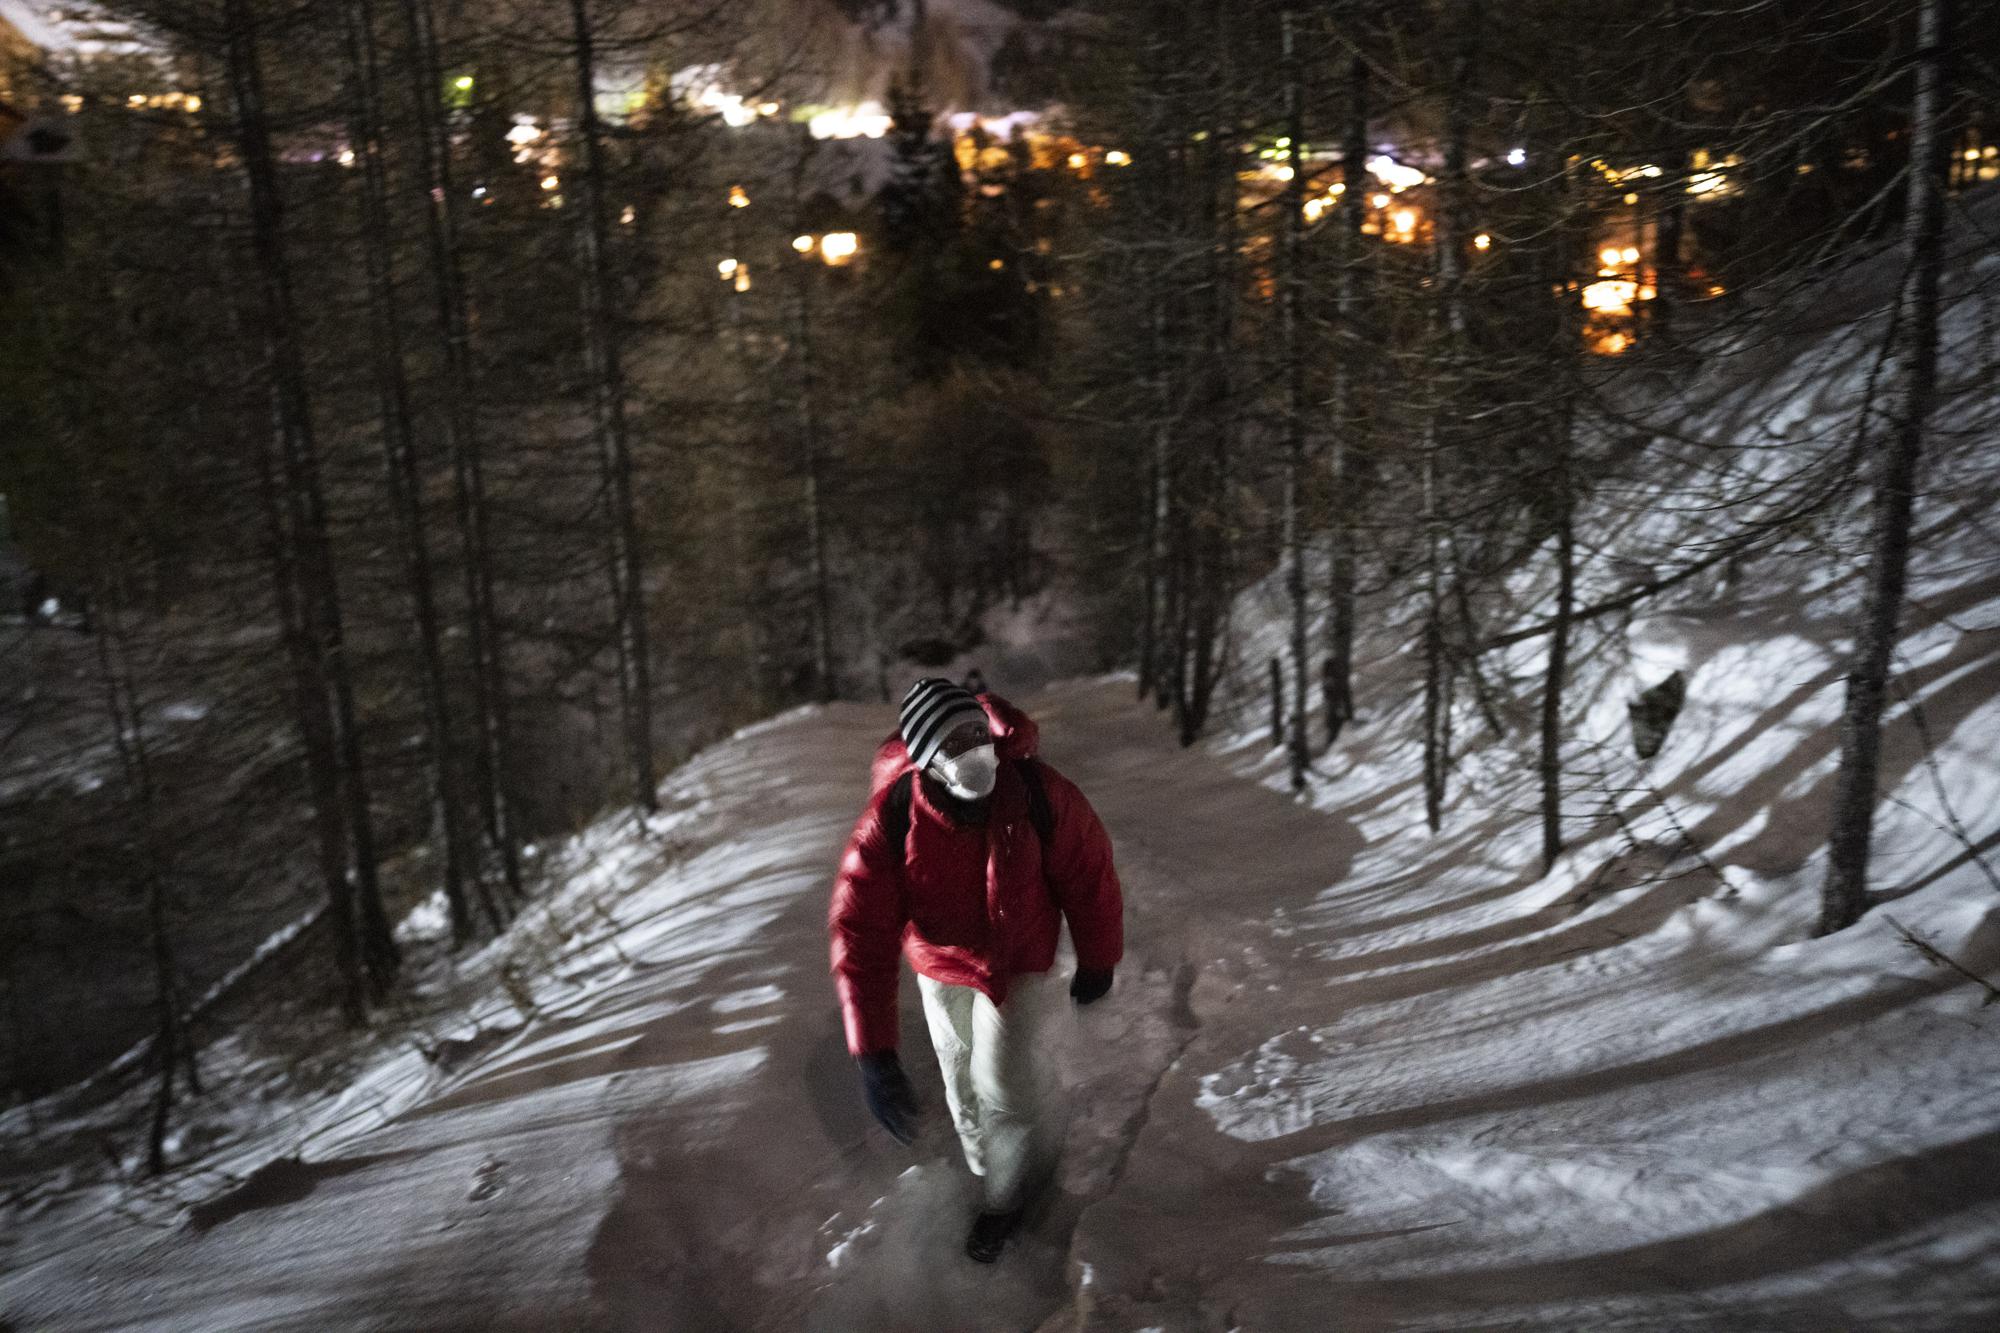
948	1012
1017	1056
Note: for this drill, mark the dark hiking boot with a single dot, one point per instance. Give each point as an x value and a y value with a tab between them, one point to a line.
989	1235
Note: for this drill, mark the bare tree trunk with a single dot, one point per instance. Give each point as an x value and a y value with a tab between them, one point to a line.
1558	665
1183	593
1451	247
1337	678
405	480
167	1003
1157	161
809	443
379	950
462	441
1434	707
1277	703
1211	538
628	586
308	604
743	404
1670	221
127	724
1293	354
1845	895
1152	629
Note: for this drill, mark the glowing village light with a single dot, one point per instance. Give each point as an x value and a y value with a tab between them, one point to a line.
463	83
802	244
1117	157
629	216
1404	220
1630	254
866	121
1077	161
1380	201
727	268
524	133
551	182
837	247
1610	255
1482	242
735	112
1517	157
1611	296
1393	173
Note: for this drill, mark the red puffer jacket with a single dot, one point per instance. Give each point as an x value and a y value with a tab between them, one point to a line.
970	906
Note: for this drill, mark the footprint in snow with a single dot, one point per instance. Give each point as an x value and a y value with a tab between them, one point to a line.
487	1181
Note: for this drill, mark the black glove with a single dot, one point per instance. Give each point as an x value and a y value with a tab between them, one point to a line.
1090	984
889	1093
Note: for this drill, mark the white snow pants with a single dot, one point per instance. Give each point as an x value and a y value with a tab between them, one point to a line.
1003	1077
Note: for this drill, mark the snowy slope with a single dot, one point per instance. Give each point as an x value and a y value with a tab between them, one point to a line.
1634	1093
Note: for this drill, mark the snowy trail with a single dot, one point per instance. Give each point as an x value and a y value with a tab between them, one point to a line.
1342	1083
685	1145
897	1229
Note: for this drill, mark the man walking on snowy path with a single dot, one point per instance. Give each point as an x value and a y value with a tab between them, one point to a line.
969	858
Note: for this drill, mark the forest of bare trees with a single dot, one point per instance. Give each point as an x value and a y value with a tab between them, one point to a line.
425	423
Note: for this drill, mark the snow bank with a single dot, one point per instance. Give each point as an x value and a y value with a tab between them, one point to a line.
1634	1092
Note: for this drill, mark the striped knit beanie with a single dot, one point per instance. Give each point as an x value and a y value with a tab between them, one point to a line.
930	710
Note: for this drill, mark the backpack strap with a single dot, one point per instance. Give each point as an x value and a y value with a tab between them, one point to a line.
896	812
1040	813
896	805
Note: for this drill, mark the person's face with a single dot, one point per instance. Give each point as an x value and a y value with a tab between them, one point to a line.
967	735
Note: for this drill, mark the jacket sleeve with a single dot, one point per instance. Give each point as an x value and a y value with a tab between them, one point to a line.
865	924
1080	874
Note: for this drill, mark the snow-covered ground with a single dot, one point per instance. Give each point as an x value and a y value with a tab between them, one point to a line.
1416	1090
1353	1075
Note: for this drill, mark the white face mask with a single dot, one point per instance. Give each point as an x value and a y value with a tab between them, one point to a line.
970	776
